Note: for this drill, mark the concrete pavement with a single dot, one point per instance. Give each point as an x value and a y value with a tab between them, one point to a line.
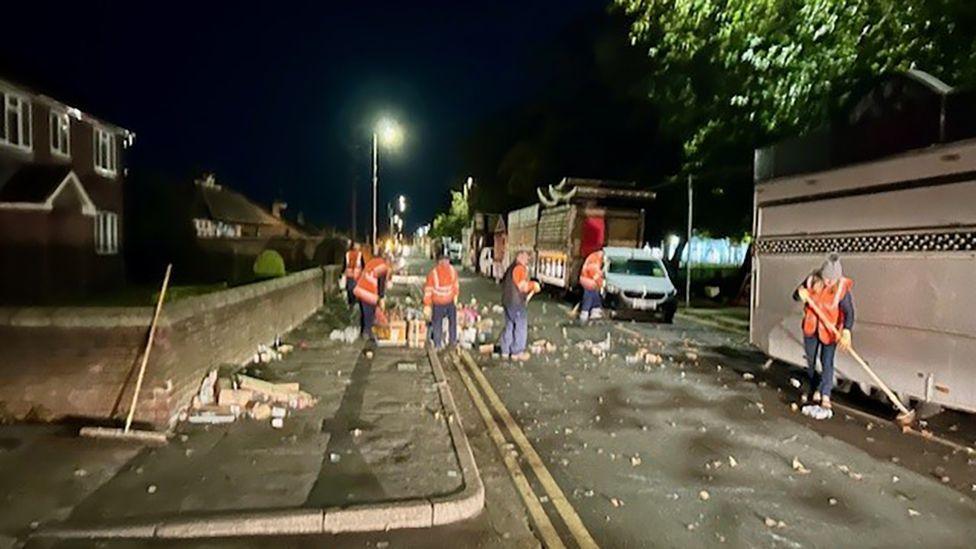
382	449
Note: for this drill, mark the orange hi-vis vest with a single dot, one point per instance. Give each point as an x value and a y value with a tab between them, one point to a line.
441	287
828	300
591	276
367	285
354	259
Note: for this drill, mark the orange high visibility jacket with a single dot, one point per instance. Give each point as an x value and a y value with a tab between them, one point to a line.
354	264
591	275
520	276
367	285
441	287
828	300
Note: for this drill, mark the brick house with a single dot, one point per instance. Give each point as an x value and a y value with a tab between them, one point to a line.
61	186
210	232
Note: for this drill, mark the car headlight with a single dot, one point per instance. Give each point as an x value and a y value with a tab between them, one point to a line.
611	289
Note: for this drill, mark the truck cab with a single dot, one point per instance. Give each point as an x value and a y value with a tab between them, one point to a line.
637	283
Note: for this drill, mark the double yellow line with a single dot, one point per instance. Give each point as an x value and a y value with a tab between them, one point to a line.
467	368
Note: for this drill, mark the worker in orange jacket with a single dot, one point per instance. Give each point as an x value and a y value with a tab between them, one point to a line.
369	290
516	289
591	279
440	300
830	290
354	266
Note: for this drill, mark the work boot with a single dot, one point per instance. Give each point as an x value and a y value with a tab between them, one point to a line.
817	397
825	402
522	357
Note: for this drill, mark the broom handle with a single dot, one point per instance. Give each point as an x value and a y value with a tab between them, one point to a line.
884	387
149	344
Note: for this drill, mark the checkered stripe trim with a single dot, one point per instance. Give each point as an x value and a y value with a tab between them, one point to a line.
964	241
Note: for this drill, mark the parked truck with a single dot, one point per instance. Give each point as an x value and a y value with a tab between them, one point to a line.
580	216
893	191
522	224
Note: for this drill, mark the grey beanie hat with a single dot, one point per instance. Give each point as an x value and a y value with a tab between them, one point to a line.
831	268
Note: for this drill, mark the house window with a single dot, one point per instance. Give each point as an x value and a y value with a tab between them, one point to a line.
106	233
60	132
15	120
106	153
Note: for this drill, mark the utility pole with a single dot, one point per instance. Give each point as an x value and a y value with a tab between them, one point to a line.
375	185
353	208
688	246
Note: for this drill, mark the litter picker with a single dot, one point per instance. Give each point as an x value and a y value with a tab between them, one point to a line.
127	433
905	417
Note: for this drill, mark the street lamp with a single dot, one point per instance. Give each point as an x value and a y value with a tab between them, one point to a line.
387	132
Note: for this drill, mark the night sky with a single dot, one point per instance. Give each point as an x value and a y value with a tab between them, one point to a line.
277	98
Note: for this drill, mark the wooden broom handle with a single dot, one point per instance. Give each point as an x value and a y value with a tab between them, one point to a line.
149	344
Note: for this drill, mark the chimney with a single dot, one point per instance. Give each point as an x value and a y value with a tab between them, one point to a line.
277	207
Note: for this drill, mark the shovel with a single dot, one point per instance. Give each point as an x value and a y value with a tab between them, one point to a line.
905	417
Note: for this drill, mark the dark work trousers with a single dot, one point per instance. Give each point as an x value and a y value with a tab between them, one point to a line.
350	286
367	319
441	312
811	346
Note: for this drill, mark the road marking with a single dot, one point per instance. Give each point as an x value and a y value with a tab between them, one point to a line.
559	500
542	523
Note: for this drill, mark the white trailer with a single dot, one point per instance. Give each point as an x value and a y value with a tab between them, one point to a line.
904	224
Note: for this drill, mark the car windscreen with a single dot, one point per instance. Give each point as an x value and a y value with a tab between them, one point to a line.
637	267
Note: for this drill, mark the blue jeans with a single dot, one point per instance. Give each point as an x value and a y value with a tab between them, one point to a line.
811	344
591	300
441	312
367	319
516	331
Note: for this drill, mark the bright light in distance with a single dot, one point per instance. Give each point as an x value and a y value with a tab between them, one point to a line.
389	132
402	203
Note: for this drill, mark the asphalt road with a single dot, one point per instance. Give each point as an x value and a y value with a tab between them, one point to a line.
703	449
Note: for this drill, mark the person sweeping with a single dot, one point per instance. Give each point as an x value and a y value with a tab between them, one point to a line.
830	291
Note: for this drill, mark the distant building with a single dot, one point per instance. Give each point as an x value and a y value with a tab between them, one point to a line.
210	232
61	198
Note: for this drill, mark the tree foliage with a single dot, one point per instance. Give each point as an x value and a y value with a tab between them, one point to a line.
456	218
746	71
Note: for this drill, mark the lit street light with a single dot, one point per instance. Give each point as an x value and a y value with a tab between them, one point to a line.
389	133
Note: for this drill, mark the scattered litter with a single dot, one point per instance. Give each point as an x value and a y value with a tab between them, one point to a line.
913	512
347	335
691	356
151	489
832	501
799	467
773	523
334	457
406	366
277	422
704	495
748	376
817	412
733	462
81	473
616	502
635	461
795	383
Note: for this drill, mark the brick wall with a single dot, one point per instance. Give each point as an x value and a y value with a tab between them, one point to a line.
64	362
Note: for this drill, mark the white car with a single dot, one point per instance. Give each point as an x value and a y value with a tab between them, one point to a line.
636	281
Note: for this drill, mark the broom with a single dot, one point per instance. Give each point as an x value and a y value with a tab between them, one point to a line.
127	433
905	416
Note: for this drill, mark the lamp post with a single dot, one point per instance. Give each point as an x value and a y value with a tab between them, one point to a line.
389	132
